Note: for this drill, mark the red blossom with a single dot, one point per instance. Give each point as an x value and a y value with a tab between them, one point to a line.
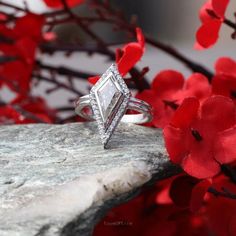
21	43
211	15
168	90
59	4
128	56
36	106
198	135
25	110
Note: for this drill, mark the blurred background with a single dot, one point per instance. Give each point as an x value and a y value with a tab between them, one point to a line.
171	21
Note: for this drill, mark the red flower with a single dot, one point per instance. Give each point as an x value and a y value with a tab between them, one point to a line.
224	82
25	110
21	43
211	15
128	56
167	92
59	4
200	137
37	107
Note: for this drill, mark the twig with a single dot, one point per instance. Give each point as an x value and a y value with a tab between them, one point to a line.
123	24
225	194
58	84
62	70
23	112
5	59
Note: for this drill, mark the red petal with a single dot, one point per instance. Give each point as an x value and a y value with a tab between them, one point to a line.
58	3
224	85
26	49
167	82
94	79
219	112
197	46
220	85
162	114
132	53
175	143
225	65
30	25
119	54
186	113
197	85
219	7
20	81
140	37
198	193
225	150
203	14
208	33
3	17
8	115
201	164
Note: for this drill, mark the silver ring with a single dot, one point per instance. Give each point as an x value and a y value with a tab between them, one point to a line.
107	103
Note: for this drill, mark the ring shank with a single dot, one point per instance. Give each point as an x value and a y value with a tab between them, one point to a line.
83	108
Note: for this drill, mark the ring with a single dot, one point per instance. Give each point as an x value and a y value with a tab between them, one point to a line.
107	103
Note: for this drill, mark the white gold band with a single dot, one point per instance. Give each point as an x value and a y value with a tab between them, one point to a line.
83	108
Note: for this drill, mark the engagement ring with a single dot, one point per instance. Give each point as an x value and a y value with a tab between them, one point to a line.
107	103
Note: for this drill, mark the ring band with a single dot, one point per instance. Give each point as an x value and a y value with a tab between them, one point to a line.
107	103
83	108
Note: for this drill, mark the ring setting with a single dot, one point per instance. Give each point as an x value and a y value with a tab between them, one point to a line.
108	102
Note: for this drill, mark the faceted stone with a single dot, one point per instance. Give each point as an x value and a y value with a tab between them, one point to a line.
108	96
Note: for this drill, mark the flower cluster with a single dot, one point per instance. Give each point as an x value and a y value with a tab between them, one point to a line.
20	43
198	118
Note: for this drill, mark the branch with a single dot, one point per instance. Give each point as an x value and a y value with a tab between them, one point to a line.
195	67
225	193
123	24
6	59
61	70
23	112
58	85
70	48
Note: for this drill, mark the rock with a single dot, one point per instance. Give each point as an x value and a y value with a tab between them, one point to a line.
58	179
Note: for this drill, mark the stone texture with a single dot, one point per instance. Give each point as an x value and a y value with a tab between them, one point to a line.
58	179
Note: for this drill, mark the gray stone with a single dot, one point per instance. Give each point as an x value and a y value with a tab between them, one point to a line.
58	179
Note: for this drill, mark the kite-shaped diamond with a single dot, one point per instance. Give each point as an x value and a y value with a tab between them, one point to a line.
109	98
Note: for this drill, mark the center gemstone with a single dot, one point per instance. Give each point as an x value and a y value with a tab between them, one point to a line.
108	96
